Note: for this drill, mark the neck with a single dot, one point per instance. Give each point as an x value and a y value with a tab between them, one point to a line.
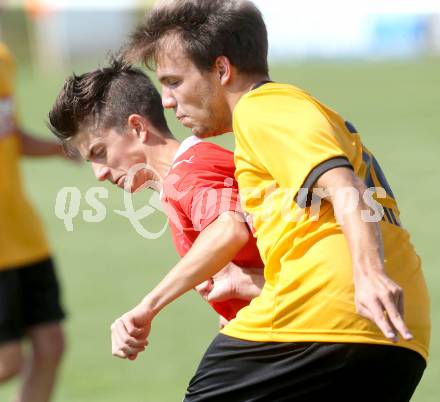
161	156
241	86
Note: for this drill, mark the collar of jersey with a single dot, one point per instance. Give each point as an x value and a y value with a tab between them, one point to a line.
185	145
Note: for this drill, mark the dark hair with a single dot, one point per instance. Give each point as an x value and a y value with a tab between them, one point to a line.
207	29
104	98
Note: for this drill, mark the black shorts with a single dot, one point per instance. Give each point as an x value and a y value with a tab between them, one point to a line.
29	296
235	370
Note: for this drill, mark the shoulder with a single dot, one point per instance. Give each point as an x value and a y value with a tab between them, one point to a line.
6	57
273	94
209	153
283	107
4	51
203	156
7	70
202	165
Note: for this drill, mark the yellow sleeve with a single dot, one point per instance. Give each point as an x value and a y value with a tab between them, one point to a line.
7	70
8	110
289	137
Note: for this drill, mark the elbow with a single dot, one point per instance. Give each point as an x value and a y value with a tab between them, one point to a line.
237	229
242	234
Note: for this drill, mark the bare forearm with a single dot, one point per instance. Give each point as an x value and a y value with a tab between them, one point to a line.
364	238
36	147
377	297
345	192
221	241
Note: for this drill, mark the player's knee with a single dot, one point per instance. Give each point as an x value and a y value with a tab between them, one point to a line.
9	371
49	349
11	364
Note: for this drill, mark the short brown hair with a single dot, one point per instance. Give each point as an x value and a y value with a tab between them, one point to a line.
105	98
207	29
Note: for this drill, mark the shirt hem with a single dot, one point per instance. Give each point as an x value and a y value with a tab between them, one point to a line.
367	338
24	262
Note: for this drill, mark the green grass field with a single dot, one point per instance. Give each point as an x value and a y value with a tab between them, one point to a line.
106	267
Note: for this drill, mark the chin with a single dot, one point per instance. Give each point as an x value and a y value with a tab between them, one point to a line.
205	133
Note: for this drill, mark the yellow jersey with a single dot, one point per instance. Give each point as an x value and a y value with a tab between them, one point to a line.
22	239
284	140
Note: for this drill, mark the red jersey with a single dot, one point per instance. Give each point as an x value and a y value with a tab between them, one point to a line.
199	187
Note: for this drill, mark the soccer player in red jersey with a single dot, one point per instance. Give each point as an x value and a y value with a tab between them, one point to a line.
114	118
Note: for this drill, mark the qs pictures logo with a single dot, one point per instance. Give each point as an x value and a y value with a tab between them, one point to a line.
68	204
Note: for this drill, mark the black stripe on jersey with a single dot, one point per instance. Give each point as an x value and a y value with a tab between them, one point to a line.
350	127
368	179
387	213
260	84
394	218
303	194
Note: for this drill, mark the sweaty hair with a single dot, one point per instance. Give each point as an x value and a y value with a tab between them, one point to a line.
206	29
105	98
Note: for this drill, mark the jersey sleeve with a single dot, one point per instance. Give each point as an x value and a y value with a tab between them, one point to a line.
205	196
293	141
9	116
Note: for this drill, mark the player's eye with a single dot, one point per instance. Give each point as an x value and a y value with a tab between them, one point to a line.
172	83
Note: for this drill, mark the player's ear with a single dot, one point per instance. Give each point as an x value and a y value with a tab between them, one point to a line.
138	127
224	69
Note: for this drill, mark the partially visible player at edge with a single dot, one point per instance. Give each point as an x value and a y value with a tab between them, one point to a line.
330	316
114	117
29	292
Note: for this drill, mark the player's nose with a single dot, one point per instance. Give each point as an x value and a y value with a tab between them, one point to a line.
101	172
168	100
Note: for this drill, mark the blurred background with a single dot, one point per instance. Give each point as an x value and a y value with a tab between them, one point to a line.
376	62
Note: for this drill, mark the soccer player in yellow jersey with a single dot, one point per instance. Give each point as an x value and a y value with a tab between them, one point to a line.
29	291
339	266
